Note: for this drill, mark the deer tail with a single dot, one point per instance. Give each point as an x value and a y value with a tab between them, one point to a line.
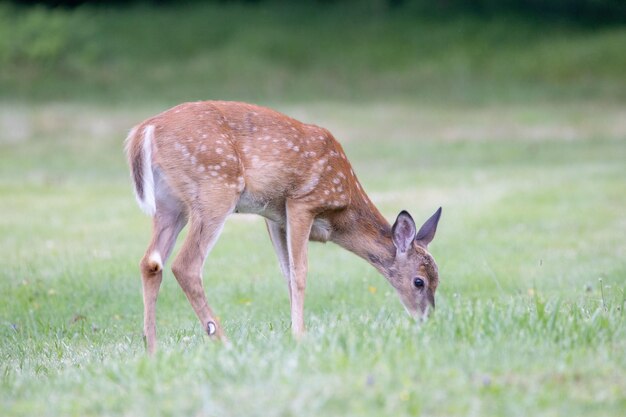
139	154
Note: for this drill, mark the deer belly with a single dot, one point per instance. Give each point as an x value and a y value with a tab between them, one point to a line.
268	208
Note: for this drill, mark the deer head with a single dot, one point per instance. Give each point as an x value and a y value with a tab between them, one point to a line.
413	271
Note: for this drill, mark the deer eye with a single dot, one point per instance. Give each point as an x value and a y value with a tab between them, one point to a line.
418	282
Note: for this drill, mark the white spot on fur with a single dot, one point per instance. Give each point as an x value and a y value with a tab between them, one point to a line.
182	148
219	150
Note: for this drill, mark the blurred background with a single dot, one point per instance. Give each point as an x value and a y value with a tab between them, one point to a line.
444	50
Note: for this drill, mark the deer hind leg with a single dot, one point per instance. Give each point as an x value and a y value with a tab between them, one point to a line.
205	227
299	222
278	236
168	221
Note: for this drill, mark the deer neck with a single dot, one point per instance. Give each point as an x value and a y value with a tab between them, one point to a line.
365	232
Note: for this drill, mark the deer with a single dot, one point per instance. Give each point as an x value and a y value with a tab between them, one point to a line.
200	162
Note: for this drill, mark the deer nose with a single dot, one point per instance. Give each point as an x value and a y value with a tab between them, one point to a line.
427	310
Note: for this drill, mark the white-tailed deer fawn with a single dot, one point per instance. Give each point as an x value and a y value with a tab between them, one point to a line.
200	162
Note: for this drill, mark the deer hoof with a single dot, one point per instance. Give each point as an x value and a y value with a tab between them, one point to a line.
211	328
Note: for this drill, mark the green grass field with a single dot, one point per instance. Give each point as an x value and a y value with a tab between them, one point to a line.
531	251
519	133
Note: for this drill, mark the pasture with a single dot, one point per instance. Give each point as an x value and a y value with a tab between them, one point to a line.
530	307
531	252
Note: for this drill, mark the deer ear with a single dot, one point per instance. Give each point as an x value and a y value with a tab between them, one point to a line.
427	231
403	231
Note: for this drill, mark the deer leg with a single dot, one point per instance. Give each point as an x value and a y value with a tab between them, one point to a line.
167	224
278	237
204	230
299	222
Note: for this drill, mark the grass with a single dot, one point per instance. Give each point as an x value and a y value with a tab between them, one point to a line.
530	314
515	127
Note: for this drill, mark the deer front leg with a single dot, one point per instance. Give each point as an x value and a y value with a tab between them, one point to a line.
299	222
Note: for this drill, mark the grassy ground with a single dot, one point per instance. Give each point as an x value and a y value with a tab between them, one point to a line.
531	251
516	128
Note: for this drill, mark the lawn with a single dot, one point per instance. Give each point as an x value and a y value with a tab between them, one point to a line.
519	133
531	253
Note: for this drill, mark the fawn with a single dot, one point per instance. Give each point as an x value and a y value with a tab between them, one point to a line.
200	162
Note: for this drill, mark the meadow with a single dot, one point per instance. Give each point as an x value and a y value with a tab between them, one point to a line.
528	165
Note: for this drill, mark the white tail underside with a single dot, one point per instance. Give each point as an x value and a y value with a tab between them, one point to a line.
147	204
